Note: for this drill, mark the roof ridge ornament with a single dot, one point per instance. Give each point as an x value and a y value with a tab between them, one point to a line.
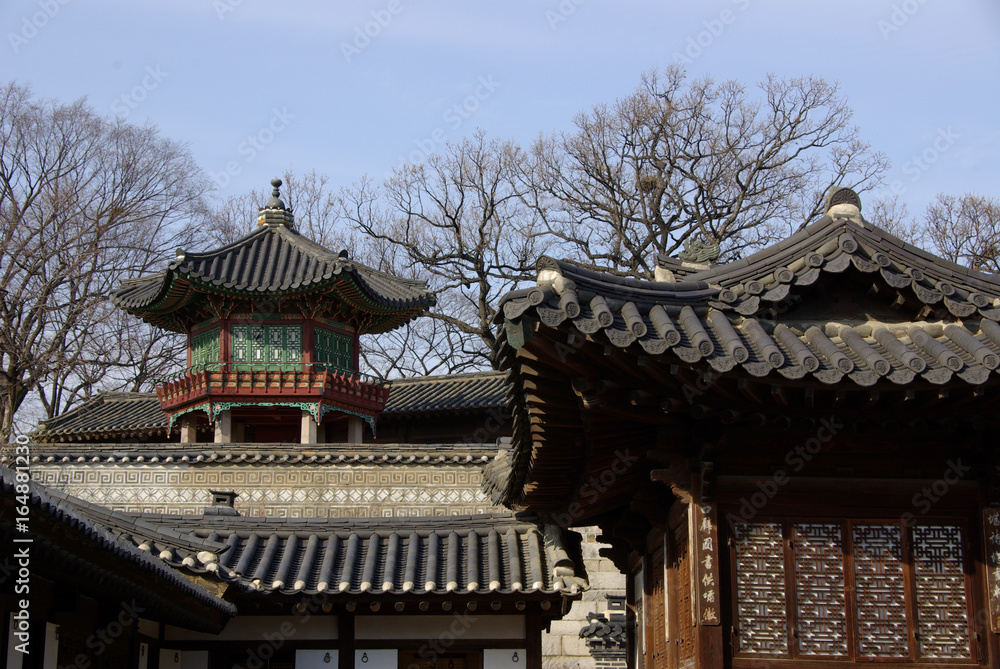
843	202
698	254
274	212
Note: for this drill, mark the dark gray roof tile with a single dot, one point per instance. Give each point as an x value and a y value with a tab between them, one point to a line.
273	259
112	415
110	532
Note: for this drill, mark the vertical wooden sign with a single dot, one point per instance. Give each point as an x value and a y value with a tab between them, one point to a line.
705	564
991	535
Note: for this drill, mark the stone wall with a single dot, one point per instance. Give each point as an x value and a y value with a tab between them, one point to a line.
562	647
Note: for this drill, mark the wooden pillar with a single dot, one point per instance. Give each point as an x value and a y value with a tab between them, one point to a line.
224	427
238	432
533	642
345	623
355	430
308	342
703	542
189	430
308	428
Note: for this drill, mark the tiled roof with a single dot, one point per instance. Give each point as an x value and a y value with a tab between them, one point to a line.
471	555
446	393
939	320
108	415
841	308
167	453
113	415
274	260
482	555
495	554
92	527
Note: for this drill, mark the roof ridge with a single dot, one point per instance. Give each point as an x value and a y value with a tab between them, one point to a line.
438	378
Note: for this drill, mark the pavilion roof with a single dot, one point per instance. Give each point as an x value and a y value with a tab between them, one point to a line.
273	263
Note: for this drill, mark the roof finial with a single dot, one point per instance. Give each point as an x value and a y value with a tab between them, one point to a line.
842	202
274	211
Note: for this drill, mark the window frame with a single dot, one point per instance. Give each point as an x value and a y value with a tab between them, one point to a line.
853	656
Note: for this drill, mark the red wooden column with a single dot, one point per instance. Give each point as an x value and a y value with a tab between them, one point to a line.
224	342
308	341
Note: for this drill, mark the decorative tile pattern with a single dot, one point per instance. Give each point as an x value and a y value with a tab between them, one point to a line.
285	491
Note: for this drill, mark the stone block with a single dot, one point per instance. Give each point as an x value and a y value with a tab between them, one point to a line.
607	581
574	646
566	627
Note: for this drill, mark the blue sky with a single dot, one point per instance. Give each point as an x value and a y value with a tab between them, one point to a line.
314	91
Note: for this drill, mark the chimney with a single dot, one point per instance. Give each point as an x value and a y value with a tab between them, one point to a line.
222	503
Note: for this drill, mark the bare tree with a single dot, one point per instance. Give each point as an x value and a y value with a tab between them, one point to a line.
892	215
461	222
84	203
682	158
966	230
310	197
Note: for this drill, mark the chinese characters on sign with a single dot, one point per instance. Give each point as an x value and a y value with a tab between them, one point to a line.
991	528
706	564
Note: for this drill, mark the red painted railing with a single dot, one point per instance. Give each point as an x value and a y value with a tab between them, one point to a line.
303	381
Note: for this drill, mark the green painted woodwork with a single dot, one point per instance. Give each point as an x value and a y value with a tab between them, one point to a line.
205	347
262	344
334	348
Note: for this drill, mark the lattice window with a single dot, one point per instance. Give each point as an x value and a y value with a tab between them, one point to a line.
760	588
241	344
881	609
205	347
293	343
685	614
942	612
656	612
260	344
821	614
334	348
858	589
275	343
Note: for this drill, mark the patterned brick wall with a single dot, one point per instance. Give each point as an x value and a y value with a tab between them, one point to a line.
284	491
